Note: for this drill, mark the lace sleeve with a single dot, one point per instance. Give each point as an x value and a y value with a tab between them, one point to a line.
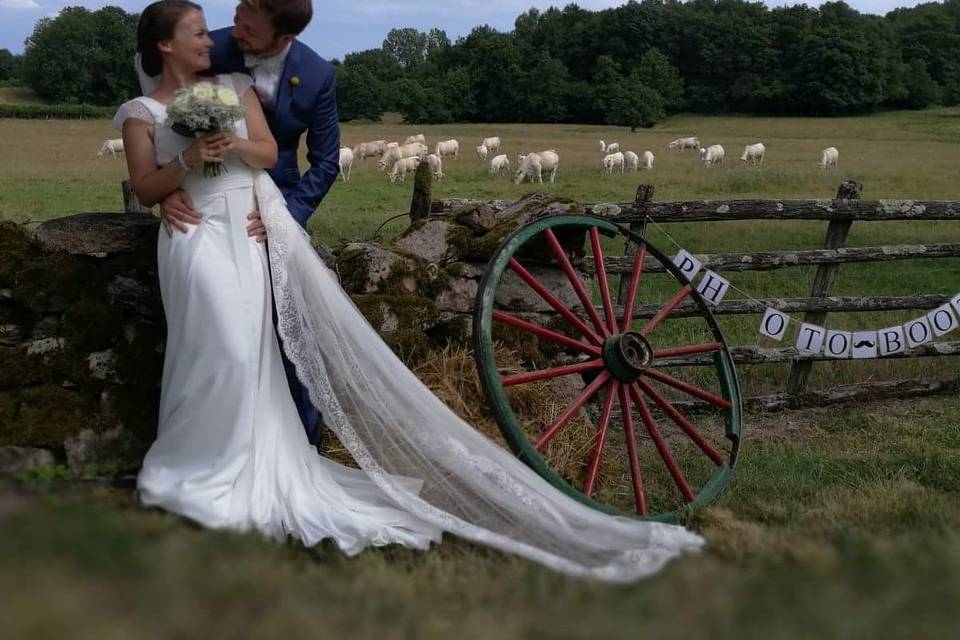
241	82
132	109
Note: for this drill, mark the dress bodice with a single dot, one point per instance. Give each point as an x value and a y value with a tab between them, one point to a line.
168	143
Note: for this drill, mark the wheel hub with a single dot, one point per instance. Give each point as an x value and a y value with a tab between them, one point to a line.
627	355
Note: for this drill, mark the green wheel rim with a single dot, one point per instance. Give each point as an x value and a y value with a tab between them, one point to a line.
508	422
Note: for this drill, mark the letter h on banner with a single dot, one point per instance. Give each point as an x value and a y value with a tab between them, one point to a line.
713	287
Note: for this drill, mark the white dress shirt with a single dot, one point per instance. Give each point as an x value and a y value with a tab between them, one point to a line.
266	72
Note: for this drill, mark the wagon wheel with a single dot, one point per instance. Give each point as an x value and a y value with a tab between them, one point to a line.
670	433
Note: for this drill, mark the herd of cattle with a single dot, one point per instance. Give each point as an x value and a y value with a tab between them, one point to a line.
398	160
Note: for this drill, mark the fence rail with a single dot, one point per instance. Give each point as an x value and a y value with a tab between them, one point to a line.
840	213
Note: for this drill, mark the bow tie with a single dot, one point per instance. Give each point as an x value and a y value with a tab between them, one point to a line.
265	64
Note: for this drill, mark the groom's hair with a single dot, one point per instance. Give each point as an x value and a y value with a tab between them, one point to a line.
157	24
286	16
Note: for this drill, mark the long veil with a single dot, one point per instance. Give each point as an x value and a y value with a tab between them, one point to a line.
393	425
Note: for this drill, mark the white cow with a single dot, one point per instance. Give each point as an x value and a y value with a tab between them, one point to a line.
482	151
346	162
829	157
447	148
712	154
492	144
500	164
417	138
370	149
402	167
646	160
603	146
392	154
631	160
532	166
436	165
753	153
685	143
113	147
612	161
613	147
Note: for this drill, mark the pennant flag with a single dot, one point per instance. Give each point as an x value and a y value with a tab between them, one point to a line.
713	287
891	340
838	344
942	320
810	338
864	344
918	332
687	263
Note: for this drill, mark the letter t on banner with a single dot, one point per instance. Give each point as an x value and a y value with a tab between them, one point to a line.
713	287
810	338
687	263
774	324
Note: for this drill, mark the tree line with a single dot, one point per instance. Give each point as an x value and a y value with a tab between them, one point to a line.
630	65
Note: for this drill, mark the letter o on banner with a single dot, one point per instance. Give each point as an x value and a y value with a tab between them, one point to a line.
918	332
837	344
942	320
774	324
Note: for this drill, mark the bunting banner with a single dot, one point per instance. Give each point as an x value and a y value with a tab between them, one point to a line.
814	339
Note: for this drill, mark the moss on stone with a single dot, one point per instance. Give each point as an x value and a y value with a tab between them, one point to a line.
401	320
16	250
137	407
19	369
140	360
45	416
91	325
353	265
56	281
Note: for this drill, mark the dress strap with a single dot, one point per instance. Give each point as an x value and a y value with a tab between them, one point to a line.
138	108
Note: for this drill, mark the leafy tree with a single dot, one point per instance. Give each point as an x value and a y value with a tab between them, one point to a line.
922	89
359	93
83	56
407	46
655	71
9	65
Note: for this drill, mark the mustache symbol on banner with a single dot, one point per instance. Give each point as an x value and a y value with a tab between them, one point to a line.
864	343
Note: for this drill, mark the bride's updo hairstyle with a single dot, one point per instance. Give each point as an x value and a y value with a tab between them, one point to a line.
157	24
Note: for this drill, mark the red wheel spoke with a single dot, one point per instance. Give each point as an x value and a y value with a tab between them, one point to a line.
639	497
554	302
666	311
602	279
553	336
662	447
685	351
555	372
632	291
575	281
682	422
569	412
696	392
601	438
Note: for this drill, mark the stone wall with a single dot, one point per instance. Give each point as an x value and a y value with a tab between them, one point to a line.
82	329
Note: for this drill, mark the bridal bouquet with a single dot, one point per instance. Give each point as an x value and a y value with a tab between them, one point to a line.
201	109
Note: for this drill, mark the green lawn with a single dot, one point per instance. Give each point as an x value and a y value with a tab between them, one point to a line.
839	524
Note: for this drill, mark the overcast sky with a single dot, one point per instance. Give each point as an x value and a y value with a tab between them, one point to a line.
338	29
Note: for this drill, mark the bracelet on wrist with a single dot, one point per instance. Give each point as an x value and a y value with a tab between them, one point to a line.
182	162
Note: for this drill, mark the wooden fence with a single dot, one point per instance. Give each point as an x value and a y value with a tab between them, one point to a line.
840	214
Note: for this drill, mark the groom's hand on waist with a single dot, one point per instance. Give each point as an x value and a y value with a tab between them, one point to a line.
176	210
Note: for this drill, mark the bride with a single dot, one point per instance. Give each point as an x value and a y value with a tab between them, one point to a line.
231	452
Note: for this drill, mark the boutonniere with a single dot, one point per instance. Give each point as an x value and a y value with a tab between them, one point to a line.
294	81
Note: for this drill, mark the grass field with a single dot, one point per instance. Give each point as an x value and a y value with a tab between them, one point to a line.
840	523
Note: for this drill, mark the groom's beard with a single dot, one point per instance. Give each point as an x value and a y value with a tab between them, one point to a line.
247	47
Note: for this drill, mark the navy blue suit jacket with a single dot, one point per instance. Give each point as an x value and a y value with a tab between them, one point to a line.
309	106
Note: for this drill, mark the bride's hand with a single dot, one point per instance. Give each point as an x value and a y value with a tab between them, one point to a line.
256	229
223	141
204	149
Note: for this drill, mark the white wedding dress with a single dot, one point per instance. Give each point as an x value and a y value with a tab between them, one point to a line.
232	453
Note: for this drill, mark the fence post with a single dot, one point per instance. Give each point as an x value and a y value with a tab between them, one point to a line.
644	195
837	232
422	182
130	202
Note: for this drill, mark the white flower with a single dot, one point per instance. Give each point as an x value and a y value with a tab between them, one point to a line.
203	91
227	97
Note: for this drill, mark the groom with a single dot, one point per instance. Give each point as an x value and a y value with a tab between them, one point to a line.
297	89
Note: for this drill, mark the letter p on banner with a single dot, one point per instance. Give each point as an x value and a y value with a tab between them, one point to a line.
689	265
